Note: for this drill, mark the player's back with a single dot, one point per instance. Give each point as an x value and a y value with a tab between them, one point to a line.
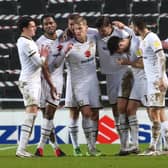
108	62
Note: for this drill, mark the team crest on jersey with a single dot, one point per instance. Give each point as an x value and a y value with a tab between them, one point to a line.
59	47
139	52
87	53
156	44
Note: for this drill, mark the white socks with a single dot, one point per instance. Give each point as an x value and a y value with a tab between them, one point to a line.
94	132
47	126
73	131
26	130
133	124
124	137
54	144
156	129
87	128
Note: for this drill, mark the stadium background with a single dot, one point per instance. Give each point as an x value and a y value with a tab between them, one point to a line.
155	12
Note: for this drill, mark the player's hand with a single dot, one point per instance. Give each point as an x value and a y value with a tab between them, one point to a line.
123	61
161	84
165	45
68	48
53	92
119	24
44	51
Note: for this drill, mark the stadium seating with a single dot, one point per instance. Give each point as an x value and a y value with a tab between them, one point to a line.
8	7
60	7
163	24
32	7
150	6
7	36
87	6
10	10
164	6
116	6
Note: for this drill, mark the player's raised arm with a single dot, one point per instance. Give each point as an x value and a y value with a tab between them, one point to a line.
64	52
39	58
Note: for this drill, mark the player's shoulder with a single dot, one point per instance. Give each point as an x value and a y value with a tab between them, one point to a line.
92	31
91	37
151	35
23	41
40	39
59	32
116	30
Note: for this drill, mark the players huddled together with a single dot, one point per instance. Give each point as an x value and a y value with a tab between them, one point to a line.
130	56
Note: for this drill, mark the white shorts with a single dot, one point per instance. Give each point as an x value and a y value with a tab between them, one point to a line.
45	91
126	84
31	91
138	91
83	93
70	100
155	98
113	85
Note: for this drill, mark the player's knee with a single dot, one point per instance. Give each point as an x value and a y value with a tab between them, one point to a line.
49	115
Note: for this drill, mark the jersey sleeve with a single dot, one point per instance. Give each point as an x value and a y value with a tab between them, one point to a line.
61	55
129	31
32	52
92	31
59	32
155	43
122	33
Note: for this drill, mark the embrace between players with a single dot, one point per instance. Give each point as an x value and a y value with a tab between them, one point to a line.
134	67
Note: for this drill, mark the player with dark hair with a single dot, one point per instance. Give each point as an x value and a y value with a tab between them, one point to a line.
30	78
155	71
129	105
113	71
48	104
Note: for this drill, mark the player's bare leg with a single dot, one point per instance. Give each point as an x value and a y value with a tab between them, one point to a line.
47	132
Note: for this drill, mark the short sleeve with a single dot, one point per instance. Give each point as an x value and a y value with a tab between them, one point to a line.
155	42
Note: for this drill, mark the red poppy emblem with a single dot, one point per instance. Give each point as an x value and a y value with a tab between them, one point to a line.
87	53
59	47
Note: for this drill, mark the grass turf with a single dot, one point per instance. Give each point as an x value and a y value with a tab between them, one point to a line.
8	159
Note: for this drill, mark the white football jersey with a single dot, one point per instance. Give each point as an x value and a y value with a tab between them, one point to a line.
53	52
108	62
82	71
81	58
135	53
29	58
149	45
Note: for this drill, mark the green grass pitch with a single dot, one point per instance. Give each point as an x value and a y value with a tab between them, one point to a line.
8	159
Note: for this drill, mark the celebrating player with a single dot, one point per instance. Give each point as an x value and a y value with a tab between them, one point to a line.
30	78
